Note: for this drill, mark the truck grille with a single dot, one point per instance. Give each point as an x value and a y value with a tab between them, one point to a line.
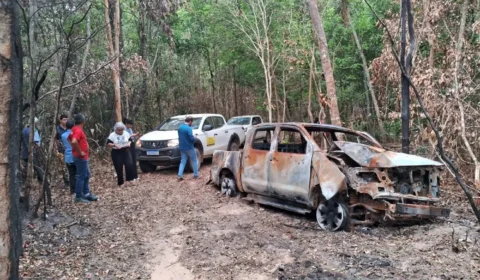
154	144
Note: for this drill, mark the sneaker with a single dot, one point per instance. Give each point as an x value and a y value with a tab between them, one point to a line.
91	197
180	179
81	200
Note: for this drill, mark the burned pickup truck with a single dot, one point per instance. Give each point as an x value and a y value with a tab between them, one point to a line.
346	176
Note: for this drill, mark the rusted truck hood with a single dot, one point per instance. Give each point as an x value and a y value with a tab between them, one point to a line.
368	156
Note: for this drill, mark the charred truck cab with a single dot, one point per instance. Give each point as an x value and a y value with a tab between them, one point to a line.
346	176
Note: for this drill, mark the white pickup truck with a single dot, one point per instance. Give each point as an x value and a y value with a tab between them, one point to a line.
160	147
247	122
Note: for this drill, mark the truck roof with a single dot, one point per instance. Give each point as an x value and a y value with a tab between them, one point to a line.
246	116
196	116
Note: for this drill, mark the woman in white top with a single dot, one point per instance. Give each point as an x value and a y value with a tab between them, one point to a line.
119	141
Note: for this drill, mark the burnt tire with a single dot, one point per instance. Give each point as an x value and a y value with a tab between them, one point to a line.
234	146
332	215
147	167
189	166
228	186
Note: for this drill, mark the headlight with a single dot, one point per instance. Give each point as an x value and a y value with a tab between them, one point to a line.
173	143
139	143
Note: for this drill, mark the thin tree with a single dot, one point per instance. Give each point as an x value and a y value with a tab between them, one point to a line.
407	64
348	22
458	59
10	94
255	24
84	62
326	64
113	50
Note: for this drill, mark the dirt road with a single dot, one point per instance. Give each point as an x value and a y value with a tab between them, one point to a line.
162	229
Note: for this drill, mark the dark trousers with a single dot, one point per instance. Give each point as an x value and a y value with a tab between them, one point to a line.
82	184
72	176
122	158
134	160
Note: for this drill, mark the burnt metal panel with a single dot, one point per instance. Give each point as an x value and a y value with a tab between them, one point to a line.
369	156
421	210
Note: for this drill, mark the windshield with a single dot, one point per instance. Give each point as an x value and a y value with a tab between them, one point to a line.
239	121
364	138
174	124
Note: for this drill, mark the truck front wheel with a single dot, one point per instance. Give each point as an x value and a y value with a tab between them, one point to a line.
147	167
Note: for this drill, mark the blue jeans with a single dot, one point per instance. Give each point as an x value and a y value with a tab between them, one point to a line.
190	154
82	187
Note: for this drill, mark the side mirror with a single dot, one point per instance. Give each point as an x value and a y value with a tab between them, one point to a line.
207	127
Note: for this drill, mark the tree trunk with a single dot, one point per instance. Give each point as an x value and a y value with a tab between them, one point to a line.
458	59
138	98
310	87
10	114
235	90
326	64
404	84
113	50
212	80
71	111
33	54
348	21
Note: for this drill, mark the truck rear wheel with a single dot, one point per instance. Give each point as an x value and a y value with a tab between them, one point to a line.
147	167
234	146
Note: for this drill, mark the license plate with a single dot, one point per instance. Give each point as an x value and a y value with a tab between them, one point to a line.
153	153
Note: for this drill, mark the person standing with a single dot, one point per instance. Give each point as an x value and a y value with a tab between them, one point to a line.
80	152
36	145
61	129
25	139
119	141
187	150
134	138
68	157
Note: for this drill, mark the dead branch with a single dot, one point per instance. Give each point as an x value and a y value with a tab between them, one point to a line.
82	80
450	165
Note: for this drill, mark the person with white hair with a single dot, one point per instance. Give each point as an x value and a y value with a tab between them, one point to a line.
119	141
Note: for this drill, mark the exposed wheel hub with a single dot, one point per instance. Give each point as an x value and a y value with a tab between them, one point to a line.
228	187
332	215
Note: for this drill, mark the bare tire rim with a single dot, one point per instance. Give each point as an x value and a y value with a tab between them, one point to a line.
234	147
199	158
331	215
228	187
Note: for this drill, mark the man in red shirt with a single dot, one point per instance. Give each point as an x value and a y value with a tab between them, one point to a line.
80	158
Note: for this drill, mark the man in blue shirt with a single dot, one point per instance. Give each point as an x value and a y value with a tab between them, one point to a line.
187	150
26	137
68	157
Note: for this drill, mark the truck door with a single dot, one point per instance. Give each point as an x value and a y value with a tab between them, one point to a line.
223	134
290	167
210	135
256	161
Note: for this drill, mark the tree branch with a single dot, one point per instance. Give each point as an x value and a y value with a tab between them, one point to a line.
81	81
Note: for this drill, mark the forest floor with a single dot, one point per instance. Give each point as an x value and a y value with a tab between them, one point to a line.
163	229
